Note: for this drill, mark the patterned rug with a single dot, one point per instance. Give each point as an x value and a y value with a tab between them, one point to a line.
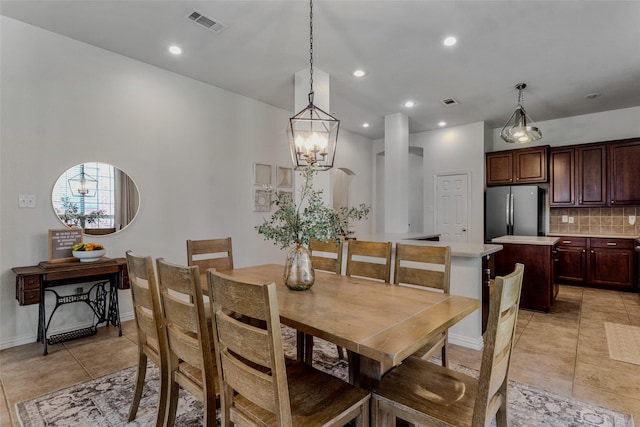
623	342
104	402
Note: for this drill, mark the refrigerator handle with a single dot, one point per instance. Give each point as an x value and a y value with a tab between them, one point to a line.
508	216
511	213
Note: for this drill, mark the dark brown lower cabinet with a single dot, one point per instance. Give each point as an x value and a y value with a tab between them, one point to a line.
571	260
595	262
538	290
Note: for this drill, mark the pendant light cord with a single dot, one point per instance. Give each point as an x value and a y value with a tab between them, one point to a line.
311	51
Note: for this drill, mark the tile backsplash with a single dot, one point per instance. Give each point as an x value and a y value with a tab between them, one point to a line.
596	220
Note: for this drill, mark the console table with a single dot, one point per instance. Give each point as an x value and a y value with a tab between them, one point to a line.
110	274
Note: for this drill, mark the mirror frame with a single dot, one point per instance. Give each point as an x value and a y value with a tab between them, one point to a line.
108	179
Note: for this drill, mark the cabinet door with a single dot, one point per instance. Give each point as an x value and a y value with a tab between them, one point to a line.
499	167
591	185
624	173
530	165
562	171
611	267
571	264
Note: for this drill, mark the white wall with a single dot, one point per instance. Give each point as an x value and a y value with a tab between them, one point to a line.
456	149
188	146
596	127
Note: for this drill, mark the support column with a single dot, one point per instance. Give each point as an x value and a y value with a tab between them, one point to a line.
321	89
396	173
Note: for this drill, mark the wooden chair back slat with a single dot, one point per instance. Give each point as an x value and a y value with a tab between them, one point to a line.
220	250
428	266
373	270
325	263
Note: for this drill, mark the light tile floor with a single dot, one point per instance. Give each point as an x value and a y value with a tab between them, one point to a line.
564	351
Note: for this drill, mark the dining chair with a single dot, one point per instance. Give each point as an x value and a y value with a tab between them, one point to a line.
424	393
323	263
360	256
191	358
210	253
152	336
428	267
256	386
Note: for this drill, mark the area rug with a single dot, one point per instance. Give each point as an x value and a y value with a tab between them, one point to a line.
623	342
104	402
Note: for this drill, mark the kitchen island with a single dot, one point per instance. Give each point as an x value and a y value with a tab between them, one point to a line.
469	278
536	253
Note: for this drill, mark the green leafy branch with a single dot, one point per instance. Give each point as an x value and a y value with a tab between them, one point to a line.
311	219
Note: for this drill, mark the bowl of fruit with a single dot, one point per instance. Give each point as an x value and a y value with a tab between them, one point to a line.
88	252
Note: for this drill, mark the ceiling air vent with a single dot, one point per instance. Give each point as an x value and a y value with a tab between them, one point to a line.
449	102
206	22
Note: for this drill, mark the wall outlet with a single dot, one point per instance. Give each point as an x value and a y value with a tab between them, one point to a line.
632	220
27	201
570	220
565	218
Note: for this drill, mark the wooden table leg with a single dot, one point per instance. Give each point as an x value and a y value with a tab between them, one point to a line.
370	371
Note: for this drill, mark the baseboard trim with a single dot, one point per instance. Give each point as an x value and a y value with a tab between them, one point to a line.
475	344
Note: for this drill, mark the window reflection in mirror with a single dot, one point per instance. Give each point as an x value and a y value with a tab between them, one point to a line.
98	197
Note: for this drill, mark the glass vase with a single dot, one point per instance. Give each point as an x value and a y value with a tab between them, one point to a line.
298	270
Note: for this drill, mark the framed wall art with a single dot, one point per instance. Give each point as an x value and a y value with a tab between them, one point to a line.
261	200
261	174
284	177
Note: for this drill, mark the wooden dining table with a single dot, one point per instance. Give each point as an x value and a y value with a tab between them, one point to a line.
381	324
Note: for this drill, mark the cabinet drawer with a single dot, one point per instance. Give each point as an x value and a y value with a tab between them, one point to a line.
29	297
30	282
579	242
611	243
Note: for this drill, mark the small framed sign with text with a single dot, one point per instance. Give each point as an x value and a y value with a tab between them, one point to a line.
61	243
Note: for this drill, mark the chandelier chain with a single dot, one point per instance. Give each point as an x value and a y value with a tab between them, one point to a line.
311	46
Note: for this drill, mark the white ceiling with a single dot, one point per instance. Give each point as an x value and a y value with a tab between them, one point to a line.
563	50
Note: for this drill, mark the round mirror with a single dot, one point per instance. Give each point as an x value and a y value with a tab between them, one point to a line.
98	197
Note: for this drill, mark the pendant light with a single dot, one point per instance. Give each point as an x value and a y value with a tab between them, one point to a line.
83	184
312	133
520	129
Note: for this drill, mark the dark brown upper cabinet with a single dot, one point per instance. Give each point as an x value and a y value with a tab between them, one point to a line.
562	172
601	174
521	166
624	173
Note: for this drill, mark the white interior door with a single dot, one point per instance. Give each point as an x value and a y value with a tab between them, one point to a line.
452	204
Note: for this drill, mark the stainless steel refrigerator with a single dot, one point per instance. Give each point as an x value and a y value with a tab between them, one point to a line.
514	210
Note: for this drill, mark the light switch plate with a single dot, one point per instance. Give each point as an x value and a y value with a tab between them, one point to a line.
632	220
27	201
570	220
565	218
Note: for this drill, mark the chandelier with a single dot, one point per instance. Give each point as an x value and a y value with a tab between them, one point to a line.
520	130
312	133
83	184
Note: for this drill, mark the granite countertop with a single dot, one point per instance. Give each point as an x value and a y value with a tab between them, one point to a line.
604	236
466	250
527	240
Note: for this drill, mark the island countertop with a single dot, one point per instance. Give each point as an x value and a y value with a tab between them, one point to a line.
527	240
467	250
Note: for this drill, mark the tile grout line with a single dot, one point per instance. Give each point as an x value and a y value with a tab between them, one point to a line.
78	361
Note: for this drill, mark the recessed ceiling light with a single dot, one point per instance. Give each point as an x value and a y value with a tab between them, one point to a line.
450	41
359	73
365	125
176	50
592	95
441	124
409	104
